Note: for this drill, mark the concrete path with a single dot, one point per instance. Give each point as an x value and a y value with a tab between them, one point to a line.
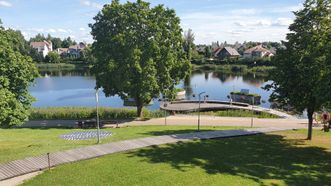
190	106
221	121
33	164
187	120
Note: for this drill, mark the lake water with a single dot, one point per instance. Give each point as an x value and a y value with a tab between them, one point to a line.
76	88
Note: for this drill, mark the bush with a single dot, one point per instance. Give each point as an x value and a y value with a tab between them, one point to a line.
76	113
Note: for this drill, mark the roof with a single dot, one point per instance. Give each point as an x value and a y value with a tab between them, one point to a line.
37	44
78	46
257	48
40	44
230	50
63	49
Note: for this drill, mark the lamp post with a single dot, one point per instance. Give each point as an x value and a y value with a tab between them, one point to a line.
252	112
206	96
97	107
165	105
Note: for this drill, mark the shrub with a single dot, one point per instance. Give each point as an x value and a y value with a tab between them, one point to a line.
75	113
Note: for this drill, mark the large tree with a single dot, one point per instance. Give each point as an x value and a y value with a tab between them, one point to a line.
138	50
302	76
188	44
16	74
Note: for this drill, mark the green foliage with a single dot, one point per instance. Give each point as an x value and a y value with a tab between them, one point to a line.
73	113
16	74
15	40
239	113
245	94
67	42
208	53
53	57
302	74
142	61
188	44
86	55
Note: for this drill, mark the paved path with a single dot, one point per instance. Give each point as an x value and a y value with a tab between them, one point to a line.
33	164
187	120
190	106
221	121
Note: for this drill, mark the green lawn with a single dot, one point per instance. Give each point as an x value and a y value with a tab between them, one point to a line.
21	143
274	159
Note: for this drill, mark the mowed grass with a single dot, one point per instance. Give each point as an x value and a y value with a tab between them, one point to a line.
275	159
21	143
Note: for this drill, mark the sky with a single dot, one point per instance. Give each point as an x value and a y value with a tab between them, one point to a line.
210	20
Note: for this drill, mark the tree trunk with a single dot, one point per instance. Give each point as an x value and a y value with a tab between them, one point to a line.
139	110
310	124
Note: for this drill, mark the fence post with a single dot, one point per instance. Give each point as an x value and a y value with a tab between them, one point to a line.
49	161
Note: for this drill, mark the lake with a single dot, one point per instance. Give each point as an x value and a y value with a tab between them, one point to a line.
76	88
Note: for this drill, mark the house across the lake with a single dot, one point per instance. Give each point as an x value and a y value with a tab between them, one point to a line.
43	47
226	53
73	51
258	52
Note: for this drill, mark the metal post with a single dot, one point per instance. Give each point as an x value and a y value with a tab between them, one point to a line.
252	112
49	161
97	107
199	113
165	111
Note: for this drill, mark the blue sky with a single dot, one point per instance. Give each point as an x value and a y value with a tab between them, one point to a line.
210	20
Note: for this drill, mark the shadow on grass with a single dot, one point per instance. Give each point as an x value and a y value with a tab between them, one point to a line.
254	157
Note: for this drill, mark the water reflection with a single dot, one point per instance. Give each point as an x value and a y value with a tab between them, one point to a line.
76	87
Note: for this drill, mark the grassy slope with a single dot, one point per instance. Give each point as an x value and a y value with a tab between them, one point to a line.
21	143
274	159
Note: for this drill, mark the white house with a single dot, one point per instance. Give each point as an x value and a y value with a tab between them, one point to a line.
257	52
43	47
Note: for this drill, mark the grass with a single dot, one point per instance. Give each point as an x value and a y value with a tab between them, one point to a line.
238	113
21	143
274	159
74	113
55	65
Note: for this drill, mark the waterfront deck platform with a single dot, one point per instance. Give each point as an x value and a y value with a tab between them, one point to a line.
193	106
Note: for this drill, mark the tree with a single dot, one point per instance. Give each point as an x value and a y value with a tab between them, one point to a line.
138	50
208	52
38	38
86	55
57	43
35	55
67	42
188	44
302	74
16	74
53	57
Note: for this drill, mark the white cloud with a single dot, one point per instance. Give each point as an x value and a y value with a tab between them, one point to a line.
283	22
36	30
213	26
287	9
91	4
5	4
82	29
62	30
51	30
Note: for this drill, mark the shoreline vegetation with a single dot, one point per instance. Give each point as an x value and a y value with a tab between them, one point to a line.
78	113
233	68
61	66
